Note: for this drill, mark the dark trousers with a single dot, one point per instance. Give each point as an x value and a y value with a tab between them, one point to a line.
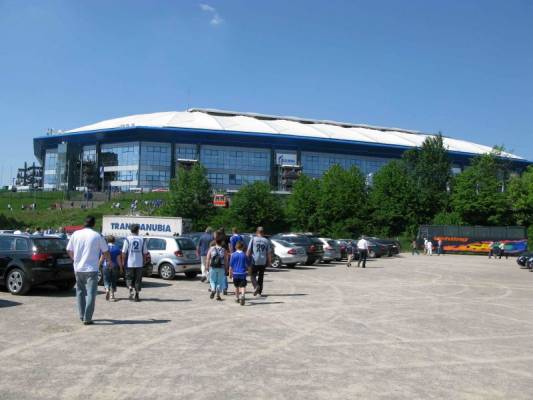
134	278
363	254
257	275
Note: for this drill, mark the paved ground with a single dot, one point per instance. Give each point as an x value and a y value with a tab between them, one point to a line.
451	327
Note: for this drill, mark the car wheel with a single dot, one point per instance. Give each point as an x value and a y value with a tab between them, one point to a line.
338	259
276	262
66	285
16	282
191	274
291	265
326	262
372	254
310	262
167	272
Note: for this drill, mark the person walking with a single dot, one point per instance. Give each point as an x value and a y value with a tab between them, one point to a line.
84	248
429	248
362	246
502	251
234	239
491	250
238	267
217	264
202	248
349	253
135	251
111	269
414	248
440	250
259	249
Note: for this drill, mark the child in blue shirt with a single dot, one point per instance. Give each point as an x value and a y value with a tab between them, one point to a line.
238	267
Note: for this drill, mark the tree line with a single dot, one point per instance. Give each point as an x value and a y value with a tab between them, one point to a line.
419	188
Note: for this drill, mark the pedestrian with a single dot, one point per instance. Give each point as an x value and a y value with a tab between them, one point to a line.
350	250
362	246
491	250
217	263
10	207
429	248
38	232
414	248
238	267
221	233
440	250
135	251
202	248
259	249
425	246
84	248
234	239
111	269
502	252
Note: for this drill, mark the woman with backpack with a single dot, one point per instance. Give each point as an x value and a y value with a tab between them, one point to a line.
217	265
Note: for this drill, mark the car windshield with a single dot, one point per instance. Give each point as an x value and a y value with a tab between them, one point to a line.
185	244
332	243
50	245
284	243
300	240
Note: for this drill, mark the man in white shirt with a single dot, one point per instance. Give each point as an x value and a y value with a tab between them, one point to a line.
362	246
135	251
85	247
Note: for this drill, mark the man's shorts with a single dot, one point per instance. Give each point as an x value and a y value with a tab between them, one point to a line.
239	282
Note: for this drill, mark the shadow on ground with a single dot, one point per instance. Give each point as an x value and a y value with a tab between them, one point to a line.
9	303
130	322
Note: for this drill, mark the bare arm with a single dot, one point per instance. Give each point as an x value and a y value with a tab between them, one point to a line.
71	254
208	261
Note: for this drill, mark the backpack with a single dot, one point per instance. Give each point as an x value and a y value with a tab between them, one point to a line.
216	260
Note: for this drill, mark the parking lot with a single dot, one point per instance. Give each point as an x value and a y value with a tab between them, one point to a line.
450	327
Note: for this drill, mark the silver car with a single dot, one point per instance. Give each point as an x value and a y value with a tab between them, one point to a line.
172	255
287	254
332	250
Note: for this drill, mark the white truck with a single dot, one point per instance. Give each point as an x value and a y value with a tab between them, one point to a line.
119	225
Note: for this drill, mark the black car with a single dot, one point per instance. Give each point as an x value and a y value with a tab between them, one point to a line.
312	244
523	259
392	246
147	268
26	261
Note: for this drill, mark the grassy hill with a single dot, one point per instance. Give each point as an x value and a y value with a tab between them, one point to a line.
56	209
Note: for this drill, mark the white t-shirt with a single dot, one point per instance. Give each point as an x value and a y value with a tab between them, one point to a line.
362	244
135	248
87	246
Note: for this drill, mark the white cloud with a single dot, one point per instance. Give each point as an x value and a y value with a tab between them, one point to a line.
216	19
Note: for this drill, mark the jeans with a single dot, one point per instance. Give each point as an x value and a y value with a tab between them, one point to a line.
86	285
110	278
363	254
217	277
134	278
256	277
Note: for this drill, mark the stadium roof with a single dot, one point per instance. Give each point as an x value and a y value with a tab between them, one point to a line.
210	119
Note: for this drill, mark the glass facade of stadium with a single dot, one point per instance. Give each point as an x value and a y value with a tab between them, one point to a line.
147	158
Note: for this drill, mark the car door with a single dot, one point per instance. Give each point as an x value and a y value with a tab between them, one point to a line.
157	248
6	253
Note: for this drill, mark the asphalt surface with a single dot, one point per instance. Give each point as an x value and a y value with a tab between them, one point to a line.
450	327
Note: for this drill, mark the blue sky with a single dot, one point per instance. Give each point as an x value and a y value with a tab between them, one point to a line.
461	67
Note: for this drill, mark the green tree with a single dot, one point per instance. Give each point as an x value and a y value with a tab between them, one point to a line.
392	199
342	206
191	196
254	205
302	204
521	197
430	170
479	195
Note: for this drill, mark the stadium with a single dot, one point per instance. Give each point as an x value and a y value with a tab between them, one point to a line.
141	152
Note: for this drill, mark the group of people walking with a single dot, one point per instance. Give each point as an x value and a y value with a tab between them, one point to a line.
224	258
90	251
427	247
360	248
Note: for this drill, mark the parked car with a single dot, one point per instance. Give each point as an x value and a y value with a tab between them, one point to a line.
332	250
286	253
147	268
26	261
375	249
313	246
523	259
172	255
393	246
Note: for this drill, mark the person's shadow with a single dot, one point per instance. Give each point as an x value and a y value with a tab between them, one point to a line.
130	322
